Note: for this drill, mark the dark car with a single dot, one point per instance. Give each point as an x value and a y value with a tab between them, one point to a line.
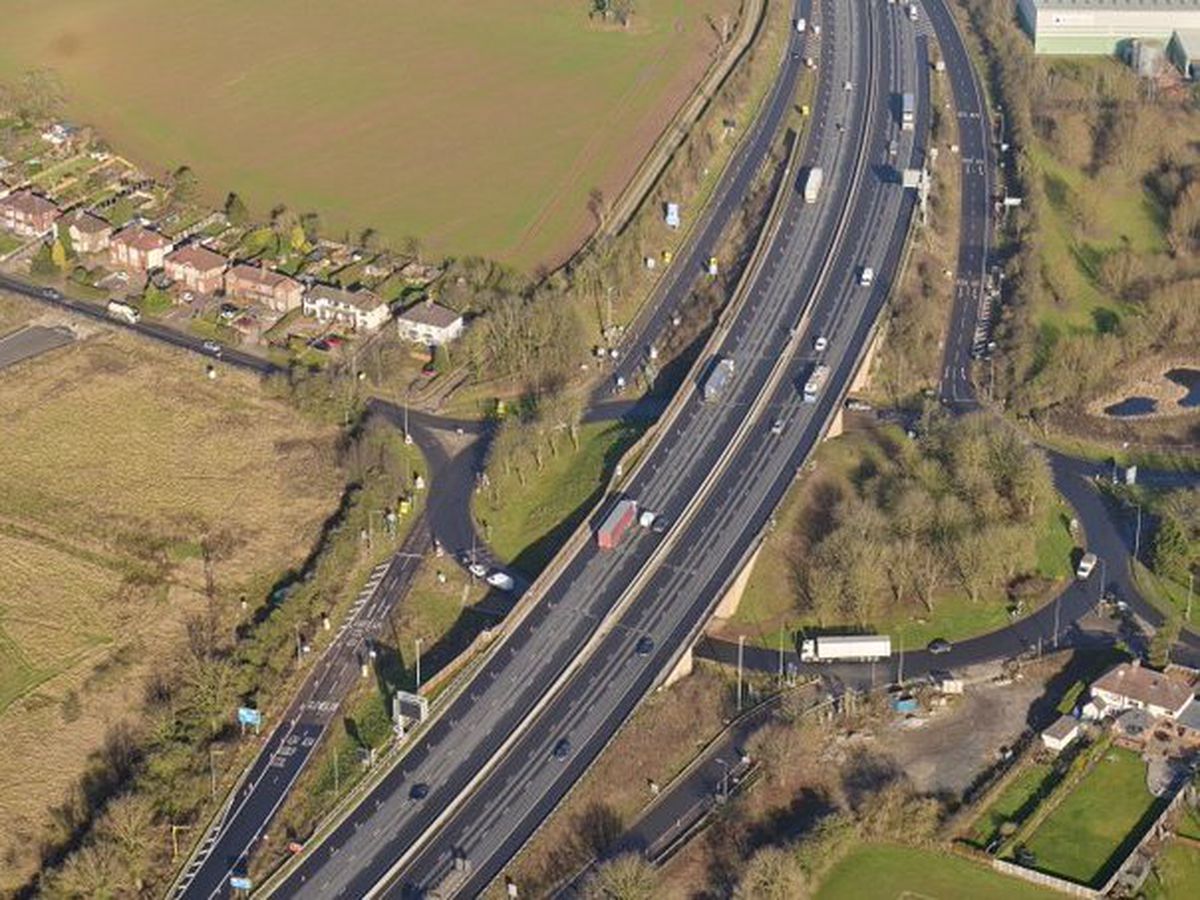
939	646
660	525
418	791
562	749
645	645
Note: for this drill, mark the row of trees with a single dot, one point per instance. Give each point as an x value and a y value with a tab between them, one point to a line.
955	509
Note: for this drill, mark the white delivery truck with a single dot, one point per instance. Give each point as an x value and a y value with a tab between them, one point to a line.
123	311
816	383
846	648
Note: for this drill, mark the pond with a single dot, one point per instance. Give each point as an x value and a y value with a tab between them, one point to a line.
1190	379
1132	406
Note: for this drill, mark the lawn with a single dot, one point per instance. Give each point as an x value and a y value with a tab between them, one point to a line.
1081	837
120	458
1176	874
1014	802
479	126
885	872
526	524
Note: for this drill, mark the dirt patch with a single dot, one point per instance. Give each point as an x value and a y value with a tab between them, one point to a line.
121	463
955	743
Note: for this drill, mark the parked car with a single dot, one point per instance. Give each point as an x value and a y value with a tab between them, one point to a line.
212	347
501	581
479	570
1086	564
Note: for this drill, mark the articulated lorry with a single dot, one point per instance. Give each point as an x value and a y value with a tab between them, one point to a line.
816	383
812	184
718	379
846	648
616	523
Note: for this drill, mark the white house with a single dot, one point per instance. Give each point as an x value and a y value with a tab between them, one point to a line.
429	323
1060	735
1129	686
358	310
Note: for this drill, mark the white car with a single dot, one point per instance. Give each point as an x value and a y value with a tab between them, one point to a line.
1086	564
848	86
479	570
646	519
501	580
777	427
867	277
820	343
212	347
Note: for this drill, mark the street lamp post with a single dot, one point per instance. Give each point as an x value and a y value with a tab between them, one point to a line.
418	661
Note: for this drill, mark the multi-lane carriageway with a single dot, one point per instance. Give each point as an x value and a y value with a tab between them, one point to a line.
569	669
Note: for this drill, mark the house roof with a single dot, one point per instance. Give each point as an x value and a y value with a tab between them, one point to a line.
364	300
88	224
1145	685
1118	5
1062	729
431	314
261	276
1188	40
197	257
140	238
29	203
1190	717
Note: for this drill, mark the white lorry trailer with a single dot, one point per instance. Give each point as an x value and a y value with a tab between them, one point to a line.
846	648
812	184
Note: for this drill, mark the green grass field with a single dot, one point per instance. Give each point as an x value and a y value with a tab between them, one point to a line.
481	127
1176	874
884	872
1013	800
1080	838
530	522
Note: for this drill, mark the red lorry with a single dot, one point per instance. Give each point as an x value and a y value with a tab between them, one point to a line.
616	523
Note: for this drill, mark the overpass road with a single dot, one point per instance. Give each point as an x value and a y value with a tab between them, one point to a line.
495	734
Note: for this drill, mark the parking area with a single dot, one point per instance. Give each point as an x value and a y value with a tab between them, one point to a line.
32	340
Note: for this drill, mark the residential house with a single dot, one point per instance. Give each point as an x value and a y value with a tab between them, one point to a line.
60	134
429	323
88	233
27	215
1130	686
197	268
1060	735
138	249
255	284
358	310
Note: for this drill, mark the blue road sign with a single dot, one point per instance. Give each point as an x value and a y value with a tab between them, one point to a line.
238	883
248	716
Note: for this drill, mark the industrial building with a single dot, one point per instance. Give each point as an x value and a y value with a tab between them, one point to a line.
1104	27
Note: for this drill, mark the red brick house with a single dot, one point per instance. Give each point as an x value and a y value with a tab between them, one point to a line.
197	268
88	233
138	249
254	284
27	215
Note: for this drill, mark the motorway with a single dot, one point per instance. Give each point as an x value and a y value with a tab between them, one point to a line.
502	729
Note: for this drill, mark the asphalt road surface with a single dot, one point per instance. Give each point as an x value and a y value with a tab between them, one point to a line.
478	738
30	341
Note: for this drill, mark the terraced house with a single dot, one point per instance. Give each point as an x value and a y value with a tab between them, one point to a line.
357	310
255	284
26	214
